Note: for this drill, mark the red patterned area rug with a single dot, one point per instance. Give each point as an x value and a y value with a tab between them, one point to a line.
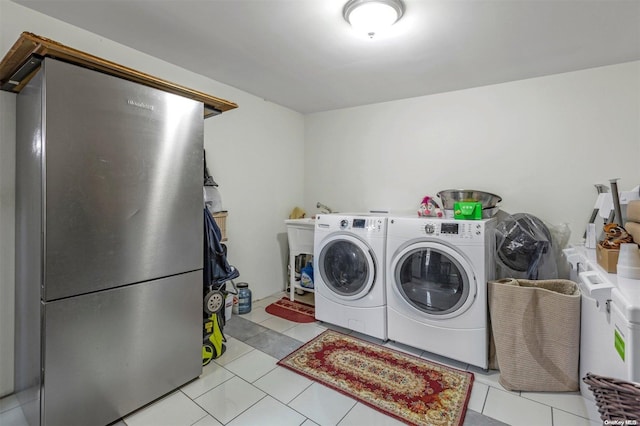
292	311
411	389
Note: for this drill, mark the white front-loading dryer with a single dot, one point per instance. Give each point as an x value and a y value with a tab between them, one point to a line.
349	258
437	272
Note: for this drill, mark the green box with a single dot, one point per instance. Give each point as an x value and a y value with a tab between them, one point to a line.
467	210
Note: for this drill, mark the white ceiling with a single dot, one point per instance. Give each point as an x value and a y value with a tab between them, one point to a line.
303	55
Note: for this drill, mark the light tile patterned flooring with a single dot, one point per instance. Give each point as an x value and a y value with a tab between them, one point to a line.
246	387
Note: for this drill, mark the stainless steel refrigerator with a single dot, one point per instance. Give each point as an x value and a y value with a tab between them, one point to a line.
109	241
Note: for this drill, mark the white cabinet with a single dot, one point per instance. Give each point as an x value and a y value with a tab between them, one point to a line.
300	236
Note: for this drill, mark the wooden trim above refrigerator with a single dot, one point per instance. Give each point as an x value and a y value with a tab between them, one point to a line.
24	58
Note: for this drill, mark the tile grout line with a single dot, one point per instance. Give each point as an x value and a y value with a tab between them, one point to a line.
236	358
266	394
207	413
208	390
569	412
347	413
249	407
212	415
291	408
484	400
274	367
558	408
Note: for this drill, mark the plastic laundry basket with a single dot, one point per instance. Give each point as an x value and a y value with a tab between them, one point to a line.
536	330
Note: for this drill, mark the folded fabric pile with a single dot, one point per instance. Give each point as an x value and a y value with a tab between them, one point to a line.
297	213
632	225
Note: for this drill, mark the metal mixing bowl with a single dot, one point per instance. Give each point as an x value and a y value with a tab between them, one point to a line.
451	196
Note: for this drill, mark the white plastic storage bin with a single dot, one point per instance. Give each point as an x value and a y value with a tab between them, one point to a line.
610	329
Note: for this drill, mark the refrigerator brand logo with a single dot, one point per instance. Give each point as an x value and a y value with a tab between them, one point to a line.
140	104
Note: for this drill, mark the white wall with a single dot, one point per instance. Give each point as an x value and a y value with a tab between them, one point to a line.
255	153
257	159
540	143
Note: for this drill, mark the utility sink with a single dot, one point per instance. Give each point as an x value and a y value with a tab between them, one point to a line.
301	222
300	235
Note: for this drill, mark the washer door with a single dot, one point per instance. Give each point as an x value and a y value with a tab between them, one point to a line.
347	267
434	280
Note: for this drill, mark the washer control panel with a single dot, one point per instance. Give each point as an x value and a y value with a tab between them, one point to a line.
364	224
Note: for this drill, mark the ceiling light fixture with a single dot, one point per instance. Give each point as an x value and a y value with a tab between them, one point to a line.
372	16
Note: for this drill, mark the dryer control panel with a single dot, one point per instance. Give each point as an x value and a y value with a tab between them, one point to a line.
455	229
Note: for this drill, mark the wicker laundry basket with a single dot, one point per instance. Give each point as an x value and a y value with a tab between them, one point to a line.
221	221
535	326
616	399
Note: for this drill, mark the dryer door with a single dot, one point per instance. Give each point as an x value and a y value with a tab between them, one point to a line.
434	280
347	267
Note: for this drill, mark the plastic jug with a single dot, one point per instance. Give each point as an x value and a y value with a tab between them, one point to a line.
244	298
306	276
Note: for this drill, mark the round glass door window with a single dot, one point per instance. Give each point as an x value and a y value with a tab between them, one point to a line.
432	281
346	268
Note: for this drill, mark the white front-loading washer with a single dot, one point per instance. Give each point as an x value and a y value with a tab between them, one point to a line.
437	272
349	257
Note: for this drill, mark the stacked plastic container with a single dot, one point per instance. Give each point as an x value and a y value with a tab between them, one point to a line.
629	261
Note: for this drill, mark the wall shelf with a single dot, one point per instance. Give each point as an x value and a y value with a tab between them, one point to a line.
22	61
